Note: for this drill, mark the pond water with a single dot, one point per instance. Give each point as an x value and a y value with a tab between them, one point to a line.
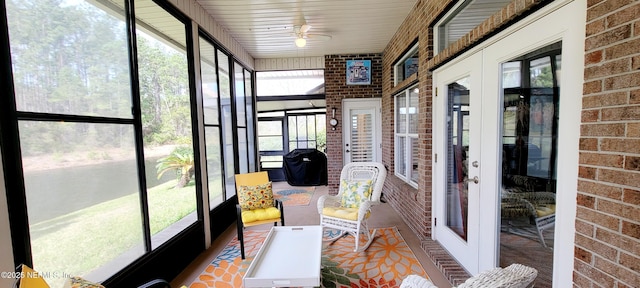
56	192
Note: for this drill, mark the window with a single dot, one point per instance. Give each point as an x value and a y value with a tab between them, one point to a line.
461	19
407	66
78	135
290	83
211	122
406	135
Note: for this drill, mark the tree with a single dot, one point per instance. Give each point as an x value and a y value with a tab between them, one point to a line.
180	159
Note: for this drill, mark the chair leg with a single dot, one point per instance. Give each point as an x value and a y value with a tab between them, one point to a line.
241	238
240	230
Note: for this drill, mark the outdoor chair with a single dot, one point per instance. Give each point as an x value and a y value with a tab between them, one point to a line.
513	276
256	205
538	207
360	188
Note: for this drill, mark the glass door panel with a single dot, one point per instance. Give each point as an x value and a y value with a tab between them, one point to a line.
457	156
529	133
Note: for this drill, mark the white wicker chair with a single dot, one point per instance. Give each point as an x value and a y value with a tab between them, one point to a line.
330	209
513	276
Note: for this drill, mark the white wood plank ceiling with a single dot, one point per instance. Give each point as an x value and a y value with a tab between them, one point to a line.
265	27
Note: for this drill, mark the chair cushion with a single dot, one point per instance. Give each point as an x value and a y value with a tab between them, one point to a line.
254	197
354	191
545	210
260	214
343	213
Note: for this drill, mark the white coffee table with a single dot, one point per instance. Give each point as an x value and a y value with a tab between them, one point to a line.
289	257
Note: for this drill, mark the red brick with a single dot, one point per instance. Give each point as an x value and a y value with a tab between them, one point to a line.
602	129
621	113
623	211
586	201
598	159
623	49
619	177
633	130
632	163
593	57
612	268
604	100
589	215
587	172
595	275
595	27
585	228
622	81
621	242
592	87
631	196
631	229
608	68
583	255
634	98
607	38
604	7
626	145
590	115
600	190
589	144
628	14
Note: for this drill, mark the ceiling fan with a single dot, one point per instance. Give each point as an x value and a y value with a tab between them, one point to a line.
301	35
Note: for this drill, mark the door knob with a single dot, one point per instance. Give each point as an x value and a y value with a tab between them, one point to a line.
474	180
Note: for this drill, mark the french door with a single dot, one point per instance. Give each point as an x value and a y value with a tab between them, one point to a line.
481	112
458	162
361	130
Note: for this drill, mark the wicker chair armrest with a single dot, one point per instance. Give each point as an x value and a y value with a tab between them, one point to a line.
363	209
328	201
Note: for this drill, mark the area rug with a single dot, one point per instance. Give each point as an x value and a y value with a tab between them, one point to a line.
384	264
296	196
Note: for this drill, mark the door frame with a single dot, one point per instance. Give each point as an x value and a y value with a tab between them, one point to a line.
558	21
363	103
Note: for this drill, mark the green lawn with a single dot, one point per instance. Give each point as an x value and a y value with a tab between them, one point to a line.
84	240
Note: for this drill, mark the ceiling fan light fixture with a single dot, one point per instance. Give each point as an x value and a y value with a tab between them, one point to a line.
301	42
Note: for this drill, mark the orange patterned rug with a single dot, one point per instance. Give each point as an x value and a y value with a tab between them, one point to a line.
384	264
295	196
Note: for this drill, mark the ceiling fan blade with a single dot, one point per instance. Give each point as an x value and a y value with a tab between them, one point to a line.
322	37
304	28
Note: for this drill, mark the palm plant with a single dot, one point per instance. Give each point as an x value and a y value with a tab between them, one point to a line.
180	159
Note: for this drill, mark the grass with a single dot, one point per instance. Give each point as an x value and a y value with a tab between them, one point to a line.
79	242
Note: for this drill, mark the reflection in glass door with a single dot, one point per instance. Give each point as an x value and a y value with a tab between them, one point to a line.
529	132
457	155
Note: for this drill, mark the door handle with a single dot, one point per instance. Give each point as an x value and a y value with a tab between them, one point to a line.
474	164
474	180
347	151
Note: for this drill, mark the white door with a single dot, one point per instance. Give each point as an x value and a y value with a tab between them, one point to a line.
362	130
467	214
457	145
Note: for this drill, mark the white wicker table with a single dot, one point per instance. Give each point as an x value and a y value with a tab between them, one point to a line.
289	257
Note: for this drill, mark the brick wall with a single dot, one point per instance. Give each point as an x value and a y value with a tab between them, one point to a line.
607	242
336	89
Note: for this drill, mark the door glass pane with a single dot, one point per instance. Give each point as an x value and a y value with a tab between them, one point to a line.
528	178
227	123
401	112
401	165
457	153
362	135
209	82
166	121
214	166
239	95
